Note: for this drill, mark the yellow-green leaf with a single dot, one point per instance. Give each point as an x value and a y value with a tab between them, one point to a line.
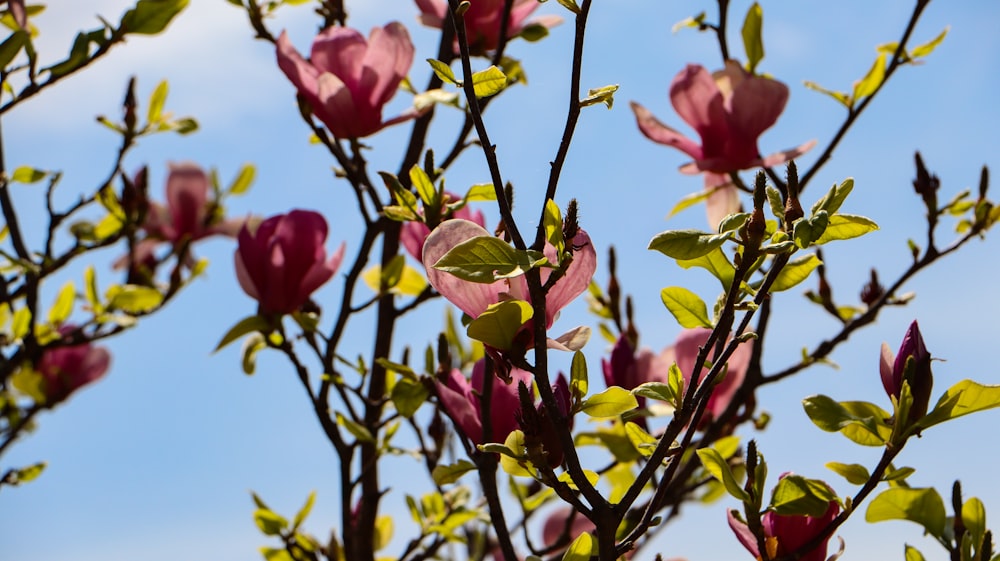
687	307
752	42
584	546
489	82
156	102
443	71
244	178
610	403
794	272
27	174
928	47
923	506
499	324
872	80
133	298
63	305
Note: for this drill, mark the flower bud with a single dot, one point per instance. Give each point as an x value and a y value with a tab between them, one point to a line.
913	364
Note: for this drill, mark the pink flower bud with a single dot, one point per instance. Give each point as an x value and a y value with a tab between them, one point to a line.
187	213
461	399
348	80
483	19
283	261
893	370
787	533
66	369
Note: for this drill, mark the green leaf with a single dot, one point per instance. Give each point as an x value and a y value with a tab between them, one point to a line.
655	390
79	53
578	382
20	323
716	465
604	94
689	201
489	82
275	554
834	198
425	188
269	522
553	223
686	244
500	323
855	474
610	403
694	21
872	80
481	192
445	474
808	230
859	421
25	474
156	102
251	346
644	442
795	495
571	6
63	305
845	227
150	17
11	46
752	43
841	97
795	271
913	554
303	512
534	32
443	71
250	324
923	506
27	174
774	200
584	546
486	259
687	307
714	262
133	298
356	429
928	47
244	178
961	399
383	532
408	395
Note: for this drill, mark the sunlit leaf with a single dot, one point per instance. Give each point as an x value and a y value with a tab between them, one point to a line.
795	495
485	259
923	506
443	71
500	323
150	17
687	307
752	42
845	227
963	398
250	324
445	474
795	271
841	97
716	465
928	47
872	80
489	82
610	403
855	474
686	244
584	546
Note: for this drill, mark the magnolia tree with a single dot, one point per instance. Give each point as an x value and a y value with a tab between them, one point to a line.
520	457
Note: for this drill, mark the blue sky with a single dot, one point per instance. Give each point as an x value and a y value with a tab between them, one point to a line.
156	462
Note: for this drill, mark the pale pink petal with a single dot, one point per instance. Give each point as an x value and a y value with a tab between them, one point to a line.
886	361
779	158
340	51
743	533
462	411
187	197
658	132
385	64
412	236
576	280
302	74
756	104
432	12
339	110
697	99
573	340
723	200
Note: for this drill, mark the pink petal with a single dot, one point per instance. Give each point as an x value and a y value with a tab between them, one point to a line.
779	158
302	74
463	411
389	57
656	131
697	99
743	533
756	104
432	12
886	361
340	51
576	280
723	200
187	197
340	111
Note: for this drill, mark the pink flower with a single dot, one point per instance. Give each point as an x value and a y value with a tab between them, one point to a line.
483	18
67	369
786	533
630	369
188	214
893	369
460	398
413	234
473	298
16	9
283	261
348	80
729	110
566	521
685	354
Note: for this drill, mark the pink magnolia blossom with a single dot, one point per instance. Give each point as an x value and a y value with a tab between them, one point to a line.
630	369
413	234
483	18
17	11
565	520
348	80
460	397
729	110
188	212
892	369
283	261
67	369
474	298
685	354
786	534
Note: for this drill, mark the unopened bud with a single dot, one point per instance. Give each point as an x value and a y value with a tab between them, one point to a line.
872	291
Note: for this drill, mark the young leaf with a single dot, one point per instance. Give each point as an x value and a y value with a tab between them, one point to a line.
269	522
913	554
643	441
841	97
425	188
408	396
604	94
486	259
27	174
795	271
552	221
834	198
356	429
928	47
688	201
571	6
303	512
752	42
578	376
500	323
11	46
63	305
716	465
250	324
133	298
961	399
859	421
871	82
845	227
923	506
686	244
445	474
855	474
610	403
714	262
150	17
244	178
443	71
584	546
489	82
687	307
795	495
156	101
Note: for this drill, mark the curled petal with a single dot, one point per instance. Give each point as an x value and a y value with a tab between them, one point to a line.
576	280
660	133
779	158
